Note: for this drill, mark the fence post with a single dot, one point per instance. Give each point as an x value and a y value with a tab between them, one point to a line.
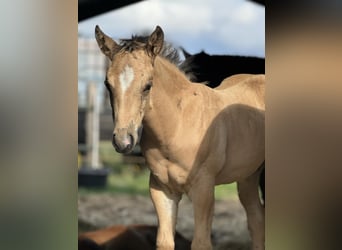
92	126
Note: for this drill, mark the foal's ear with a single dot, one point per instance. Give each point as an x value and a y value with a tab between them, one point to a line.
107	45
155	42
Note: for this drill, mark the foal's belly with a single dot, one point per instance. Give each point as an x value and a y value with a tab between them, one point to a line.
231	173
241	163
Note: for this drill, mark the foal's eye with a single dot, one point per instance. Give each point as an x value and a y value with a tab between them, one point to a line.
147	87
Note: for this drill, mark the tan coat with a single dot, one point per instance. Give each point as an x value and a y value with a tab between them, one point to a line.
193	137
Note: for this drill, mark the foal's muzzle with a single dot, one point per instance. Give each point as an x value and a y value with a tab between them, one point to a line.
123	142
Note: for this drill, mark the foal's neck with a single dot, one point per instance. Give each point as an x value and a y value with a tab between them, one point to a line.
169	77
170	85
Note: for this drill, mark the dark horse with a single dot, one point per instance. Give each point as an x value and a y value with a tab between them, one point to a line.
213	69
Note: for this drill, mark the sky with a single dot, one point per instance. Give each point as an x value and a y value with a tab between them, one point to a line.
235	27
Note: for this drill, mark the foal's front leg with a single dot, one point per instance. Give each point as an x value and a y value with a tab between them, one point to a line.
202	196
166	204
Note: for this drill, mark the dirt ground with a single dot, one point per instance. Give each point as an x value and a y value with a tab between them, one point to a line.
102	210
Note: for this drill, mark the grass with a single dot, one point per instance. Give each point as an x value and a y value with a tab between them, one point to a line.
226	192
133	180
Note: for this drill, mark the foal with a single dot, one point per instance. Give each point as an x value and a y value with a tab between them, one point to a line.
193	137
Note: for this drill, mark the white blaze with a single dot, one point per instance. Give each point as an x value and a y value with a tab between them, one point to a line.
126	77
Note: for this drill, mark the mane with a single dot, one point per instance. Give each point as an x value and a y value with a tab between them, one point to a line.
138	42
188	68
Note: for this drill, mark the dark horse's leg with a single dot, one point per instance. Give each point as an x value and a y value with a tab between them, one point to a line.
262	182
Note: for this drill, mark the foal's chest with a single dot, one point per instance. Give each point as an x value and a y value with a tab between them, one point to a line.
168	171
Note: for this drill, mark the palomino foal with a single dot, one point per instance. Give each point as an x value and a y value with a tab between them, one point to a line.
193	137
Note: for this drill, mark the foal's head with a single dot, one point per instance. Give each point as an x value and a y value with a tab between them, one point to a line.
129	82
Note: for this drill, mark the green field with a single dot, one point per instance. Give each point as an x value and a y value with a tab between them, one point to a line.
133	179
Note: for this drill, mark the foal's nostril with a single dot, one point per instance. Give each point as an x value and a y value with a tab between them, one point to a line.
128	141
113	142
130	145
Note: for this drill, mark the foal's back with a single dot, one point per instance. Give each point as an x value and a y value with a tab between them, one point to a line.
247	88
